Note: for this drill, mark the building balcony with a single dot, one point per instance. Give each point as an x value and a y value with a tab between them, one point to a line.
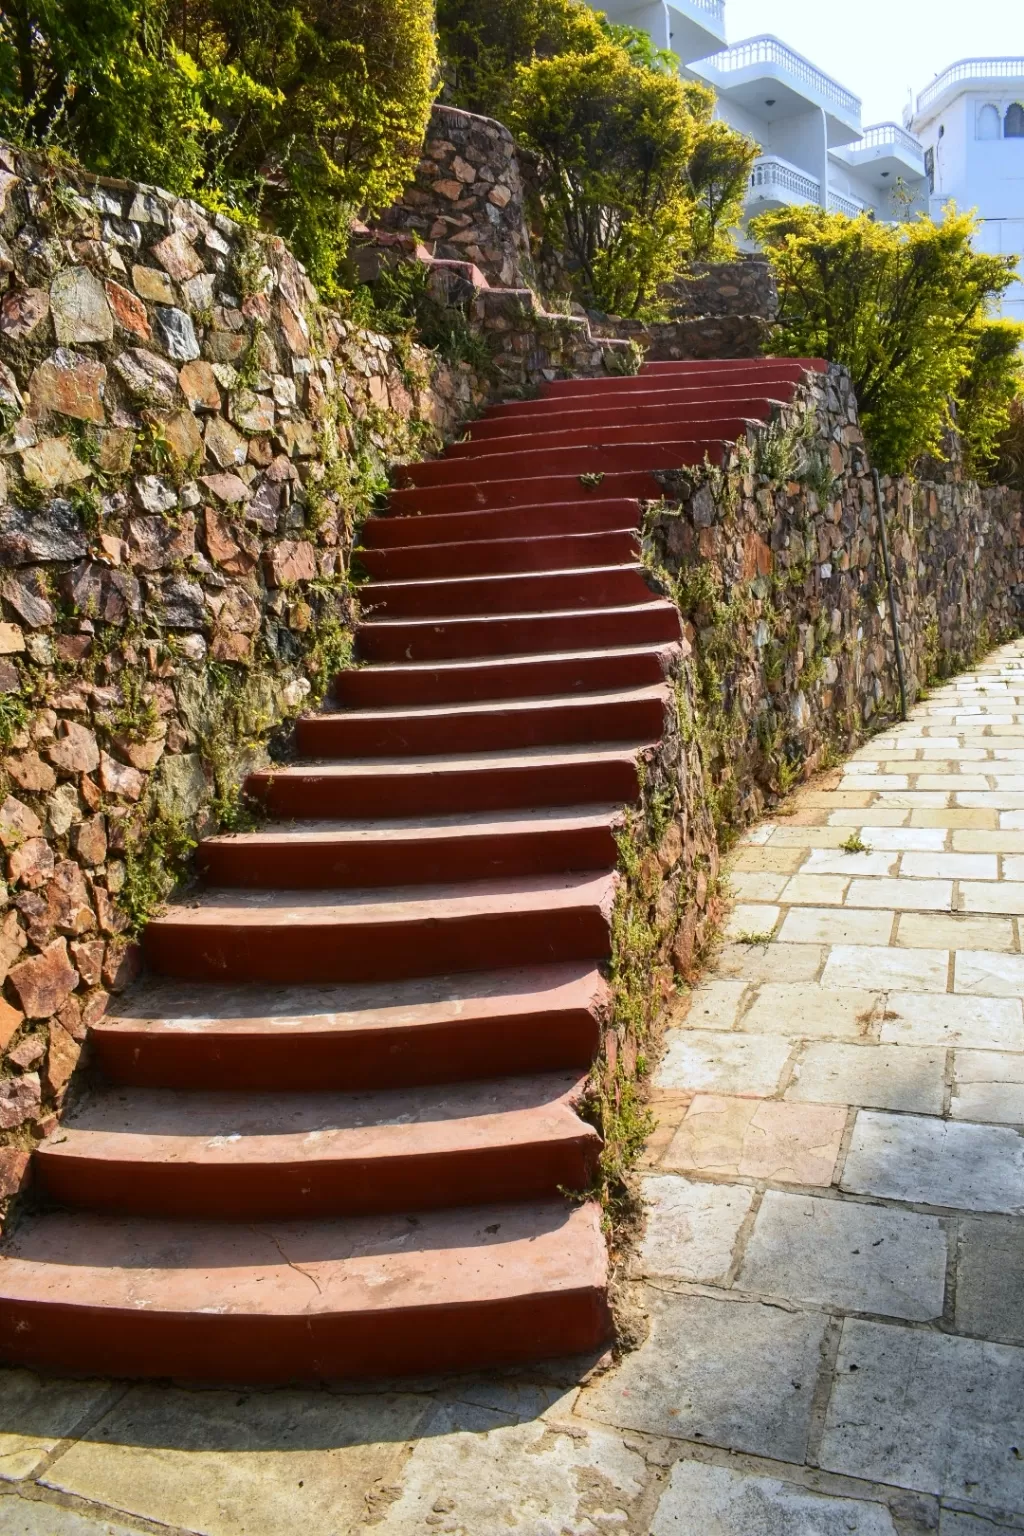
885	153
841	202
772	82
774	183
976	74
691	28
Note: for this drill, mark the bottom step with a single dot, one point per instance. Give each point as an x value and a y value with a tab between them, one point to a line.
289	1301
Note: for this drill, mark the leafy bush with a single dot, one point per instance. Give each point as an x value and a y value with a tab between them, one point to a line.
899	305
1010	468
621	143
987	395
482	43
304	112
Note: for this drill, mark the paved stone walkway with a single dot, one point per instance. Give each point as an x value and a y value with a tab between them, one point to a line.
834	1260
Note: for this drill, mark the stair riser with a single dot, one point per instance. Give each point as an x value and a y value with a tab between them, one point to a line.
469	638
673	375
676	425
343	736
199	1346
535	593
421	563
263	1191
367	688
349	1061
302	867
518	490
664	452
514	417
729	366
375	951
502	789
581	514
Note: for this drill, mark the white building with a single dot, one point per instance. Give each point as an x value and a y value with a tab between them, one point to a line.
970	120
808	125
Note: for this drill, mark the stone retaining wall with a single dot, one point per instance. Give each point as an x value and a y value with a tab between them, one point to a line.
776	564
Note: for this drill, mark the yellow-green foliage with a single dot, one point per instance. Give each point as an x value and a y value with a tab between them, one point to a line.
989	393
302	112
483	41
637	178
898	304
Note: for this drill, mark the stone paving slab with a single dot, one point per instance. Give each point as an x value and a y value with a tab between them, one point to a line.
33	1517
928	1161
730	1373
990	1280
929	1411
758	1139
871	1077
712	1062
833	1253
715	1501
988	1086
691	1229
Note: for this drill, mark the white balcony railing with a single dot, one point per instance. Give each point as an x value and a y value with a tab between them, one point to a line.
777	178
881	134
971	69
769	50
714	8
838	202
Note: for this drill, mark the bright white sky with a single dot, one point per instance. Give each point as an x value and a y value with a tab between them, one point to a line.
883	48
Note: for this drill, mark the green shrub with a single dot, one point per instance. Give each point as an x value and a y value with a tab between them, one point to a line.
301	112
482	43
898	305
988	393
617	140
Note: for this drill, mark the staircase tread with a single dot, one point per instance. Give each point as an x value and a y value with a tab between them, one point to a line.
234	1129
533	617
462	823
304	1268
458	762
292	909
527	658
422	583
163	1005
475	707
570	539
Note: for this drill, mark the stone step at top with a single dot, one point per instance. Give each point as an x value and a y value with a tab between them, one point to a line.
277	1156
582	513
487	557
513	634
598	586
402	931
304	1300
472	781
390	685
673	374
419	850
393	1034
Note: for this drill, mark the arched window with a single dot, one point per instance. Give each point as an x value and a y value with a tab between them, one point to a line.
989	123
1014	128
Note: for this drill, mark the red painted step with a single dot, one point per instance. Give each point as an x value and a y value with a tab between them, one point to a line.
437	1029
662	406
354	935
633	404
529	488
676	425
496	725
487	557
658	452
422	850
584	513
661	375
517	634
600	586
314	1300
481	781
277	1156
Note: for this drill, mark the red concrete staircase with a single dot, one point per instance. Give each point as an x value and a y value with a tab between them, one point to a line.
335	1127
